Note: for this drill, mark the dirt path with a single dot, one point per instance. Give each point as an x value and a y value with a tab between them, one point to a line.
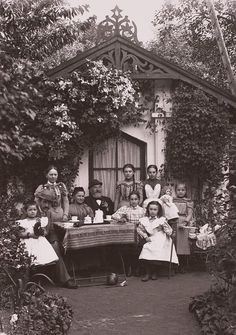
153	308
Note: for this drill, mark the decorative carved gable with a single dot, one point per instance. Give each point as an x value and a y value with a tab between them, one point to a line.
127	61
118	47
117	25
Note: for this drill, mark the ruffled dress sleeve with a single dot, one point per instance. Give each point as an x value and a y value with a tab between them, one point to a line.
63	189
38	190
167	228
141	230
119	213
23	224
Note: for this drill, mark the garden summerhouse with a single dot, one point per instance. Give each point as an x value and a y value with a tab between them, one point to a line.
118	47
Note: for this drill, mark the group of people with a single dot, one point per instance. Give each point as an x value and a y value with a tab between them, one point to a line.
149	205
159	217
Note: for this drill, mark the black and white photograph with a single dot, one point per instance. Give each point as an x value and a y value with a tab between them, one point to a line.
117	167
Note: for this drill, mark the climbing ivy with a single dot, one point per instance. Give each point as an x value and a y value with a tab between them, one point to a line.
197	136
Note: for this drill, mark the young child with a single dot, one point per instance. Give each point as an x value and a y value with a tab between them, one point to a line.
152	186
131	213
170	209
158	247
185	207
33	234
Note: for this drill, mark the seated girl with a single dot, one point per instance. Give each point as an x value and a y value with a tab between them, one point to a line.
131	213
33	231
158	247
78	207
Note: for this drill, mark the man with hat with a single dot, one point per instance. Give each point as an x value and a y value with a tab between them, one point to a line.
96	200
46	197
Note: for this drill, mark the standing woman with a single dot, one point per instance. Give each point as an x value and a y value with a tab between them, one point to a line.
60	208
151	186
125	187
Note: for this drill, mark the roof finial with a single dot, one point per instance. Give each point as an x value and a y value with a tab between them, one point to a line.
117	25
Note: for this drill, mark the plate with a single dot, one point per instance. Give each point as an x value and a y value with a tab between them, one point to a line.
96	223
68	225
74	221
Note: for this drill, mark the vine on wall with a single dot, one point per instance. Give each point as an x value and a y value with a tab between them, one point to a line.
197	138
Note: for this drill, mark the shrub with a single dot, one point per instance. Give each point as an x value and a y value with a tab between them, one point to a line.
36	312
214	313
197	137
41	313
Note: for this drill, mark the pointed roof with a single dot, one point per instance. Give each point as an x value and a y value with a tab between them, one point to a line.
121	49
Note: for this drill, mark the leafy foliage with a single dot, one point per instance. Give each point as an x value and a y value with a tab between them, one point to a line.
40	313
33	29
214	312
216	309
30	30
43	120
197	136
66	122
13	258
213	208
17	108
222	259
185	36
35	311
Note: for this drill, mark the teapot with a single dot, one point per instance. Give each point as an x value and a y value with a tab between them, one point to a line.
98	216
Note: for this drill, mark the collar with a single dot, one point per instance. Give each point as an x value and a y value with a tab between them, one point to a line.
100	198
51	183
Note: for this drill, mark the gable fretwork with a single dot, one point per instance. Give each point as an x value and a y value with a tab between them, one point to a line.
117	25
120	54
121	50
126	60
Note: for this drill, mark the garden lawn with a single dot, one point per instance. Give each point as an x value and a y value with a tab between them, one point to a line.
152	308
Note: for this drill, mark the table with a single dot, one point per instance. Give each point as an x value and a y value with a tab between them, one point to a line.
93	235
89	236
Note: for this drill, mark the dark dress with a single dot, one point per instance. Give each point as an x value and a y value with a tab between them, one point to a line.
107	205
123	190
80	210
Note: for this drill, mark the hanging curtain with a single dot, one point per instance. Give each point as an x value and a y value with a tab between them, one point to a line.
128	152
105	155
109	159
